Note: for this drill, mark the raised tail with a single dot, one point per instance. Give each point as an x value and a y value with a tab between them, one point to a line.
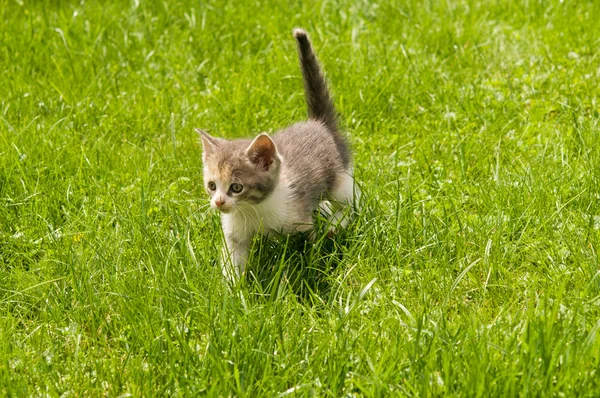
320	105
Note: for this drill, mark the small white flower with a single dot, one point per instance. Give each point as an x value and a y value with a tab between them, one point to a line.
449	115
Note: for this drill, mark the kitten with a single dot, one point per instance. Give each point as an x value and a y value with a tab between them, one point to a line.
275	184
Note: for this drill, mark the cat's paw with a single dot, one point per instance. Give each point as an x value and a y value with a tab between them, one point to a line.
331	232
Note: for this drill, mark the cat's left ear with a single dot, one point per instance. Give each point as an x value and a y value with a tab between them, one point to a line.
262	151
209	143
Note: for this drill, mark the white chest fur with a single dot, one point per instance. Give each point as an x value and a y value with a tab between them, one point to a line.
276	214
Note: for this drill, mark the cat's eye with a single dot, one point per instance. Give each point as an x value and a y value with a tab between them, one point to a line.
236	188
212	186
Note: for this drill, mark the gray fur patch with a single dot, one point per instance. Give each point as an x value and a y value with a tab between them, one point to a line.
311	161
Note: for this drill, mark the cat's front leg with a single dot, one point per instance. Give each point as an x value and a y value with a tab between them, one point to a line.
234	256
238	238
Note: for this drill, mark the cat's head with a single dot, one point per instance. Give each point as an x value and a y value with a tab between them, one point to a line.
239	172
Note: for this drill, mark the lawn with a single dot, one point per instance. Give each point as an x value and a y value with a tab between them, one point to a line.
472	268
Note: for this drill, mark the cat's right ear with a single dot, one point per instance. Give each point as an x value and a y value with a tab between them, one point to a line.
262	151
209	143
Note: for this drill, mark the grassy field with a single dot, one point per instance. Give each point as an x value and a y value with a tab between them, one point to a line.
472	269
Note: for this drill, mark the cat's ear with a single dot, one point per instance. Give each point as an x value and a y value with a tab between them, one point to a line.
262	152
209	143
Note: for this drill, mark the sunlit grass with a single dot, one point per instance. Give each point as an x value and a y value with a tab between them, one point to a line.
471	270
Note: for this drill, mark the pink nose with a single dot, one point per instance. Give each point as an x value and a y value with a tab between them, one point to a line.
219	202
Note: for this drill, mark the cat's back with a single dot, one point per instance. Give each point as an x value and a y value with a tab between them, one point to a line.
309	144
312	159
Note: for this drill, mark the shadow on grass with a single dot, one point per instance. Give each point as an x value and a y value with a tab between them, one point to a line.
296	264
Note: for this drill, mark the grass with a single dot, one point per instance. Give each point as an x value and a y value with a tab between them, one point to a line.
472	269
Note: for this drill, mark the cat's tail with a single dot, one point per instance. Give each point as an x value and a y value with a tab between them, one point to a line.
320	105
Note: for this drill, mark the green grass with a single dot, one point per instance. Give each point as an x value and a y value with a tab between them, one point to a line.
472	269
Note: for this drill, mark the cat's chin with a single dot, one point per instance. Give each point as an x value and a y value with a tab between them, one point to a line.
226	211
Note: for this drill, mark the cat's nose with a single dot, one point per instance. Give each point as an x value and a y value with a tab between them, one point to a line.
219	202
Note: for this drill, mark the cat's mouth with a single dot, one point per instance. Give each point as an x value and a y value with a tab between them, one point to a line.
225	208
